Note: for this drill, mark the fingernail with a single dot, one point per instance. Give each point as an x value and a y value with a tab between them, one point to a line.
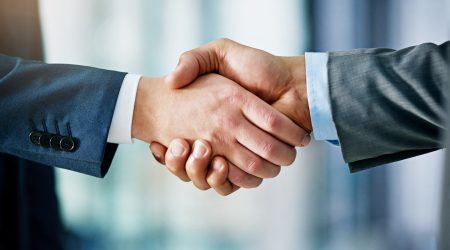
199	150
158	158
306	140
177	149
218	165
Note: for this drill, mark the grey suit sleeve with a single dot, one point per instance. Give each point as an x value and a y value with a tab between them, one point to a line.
67	100
389	105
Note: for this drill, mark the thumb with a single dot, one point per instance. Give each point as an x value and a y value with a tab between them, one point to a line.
186	71
193	64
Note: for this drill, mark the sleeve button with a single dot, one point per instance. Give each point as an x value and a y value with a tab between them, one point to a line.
67	144
45	140
55	142
35	137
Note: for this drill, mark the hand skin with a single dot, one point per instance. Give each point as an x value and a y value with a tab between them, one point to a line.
280	81
218	171
254	137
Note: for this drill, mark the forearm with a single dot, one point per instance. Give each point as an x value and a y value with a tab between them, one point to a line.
66	100
388	105
149	99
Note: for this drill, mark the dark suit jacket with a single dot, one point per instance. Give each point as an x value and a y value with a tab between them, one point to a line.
59	100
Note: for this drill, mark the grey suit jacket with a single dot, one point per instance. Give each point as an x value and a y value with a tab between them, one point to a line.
444	230
55	101
389	105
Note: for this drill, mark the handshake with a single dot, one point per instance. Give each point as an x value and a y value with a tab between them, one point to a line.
227	117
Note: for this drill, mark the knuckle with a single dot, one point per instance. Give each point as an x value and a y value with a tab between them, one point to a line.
185	55
271	120
223	40
229	122
268	150
217	137
231	94
254	166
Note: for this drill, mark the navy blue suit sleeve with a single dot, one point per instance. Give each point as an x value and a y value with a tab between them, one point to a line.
71	101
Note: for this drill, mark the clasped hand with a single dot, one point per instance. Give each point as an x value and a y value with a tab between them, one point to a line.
227	117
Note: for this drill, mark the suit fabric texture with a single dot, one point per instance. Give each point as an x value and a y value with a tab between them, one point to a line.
389	105
66	100
444	230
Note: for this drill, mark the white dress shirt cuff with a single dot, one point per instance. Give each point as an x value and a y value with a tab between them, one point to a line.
319	96
120	129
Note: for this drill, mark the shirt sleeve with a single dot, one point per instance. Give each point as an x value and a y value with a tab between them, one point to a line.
120	129
319	97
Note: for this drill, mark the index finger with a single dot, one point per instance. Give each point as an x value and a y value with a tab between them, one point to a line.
272	121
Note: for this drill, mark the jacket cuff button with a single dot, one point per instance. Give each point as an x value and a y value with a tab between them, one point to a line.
55	142
35	137
45	140
67	144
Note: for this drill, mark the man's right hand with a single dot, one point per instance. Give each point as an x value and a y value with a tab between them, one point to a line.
280	81
254	137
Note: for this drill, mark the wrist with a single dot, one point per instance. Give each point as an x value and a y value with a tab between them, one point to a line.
297	70
147	96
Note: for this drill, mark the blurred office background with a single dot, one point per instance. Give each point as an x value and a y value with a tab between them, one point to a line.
313	204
